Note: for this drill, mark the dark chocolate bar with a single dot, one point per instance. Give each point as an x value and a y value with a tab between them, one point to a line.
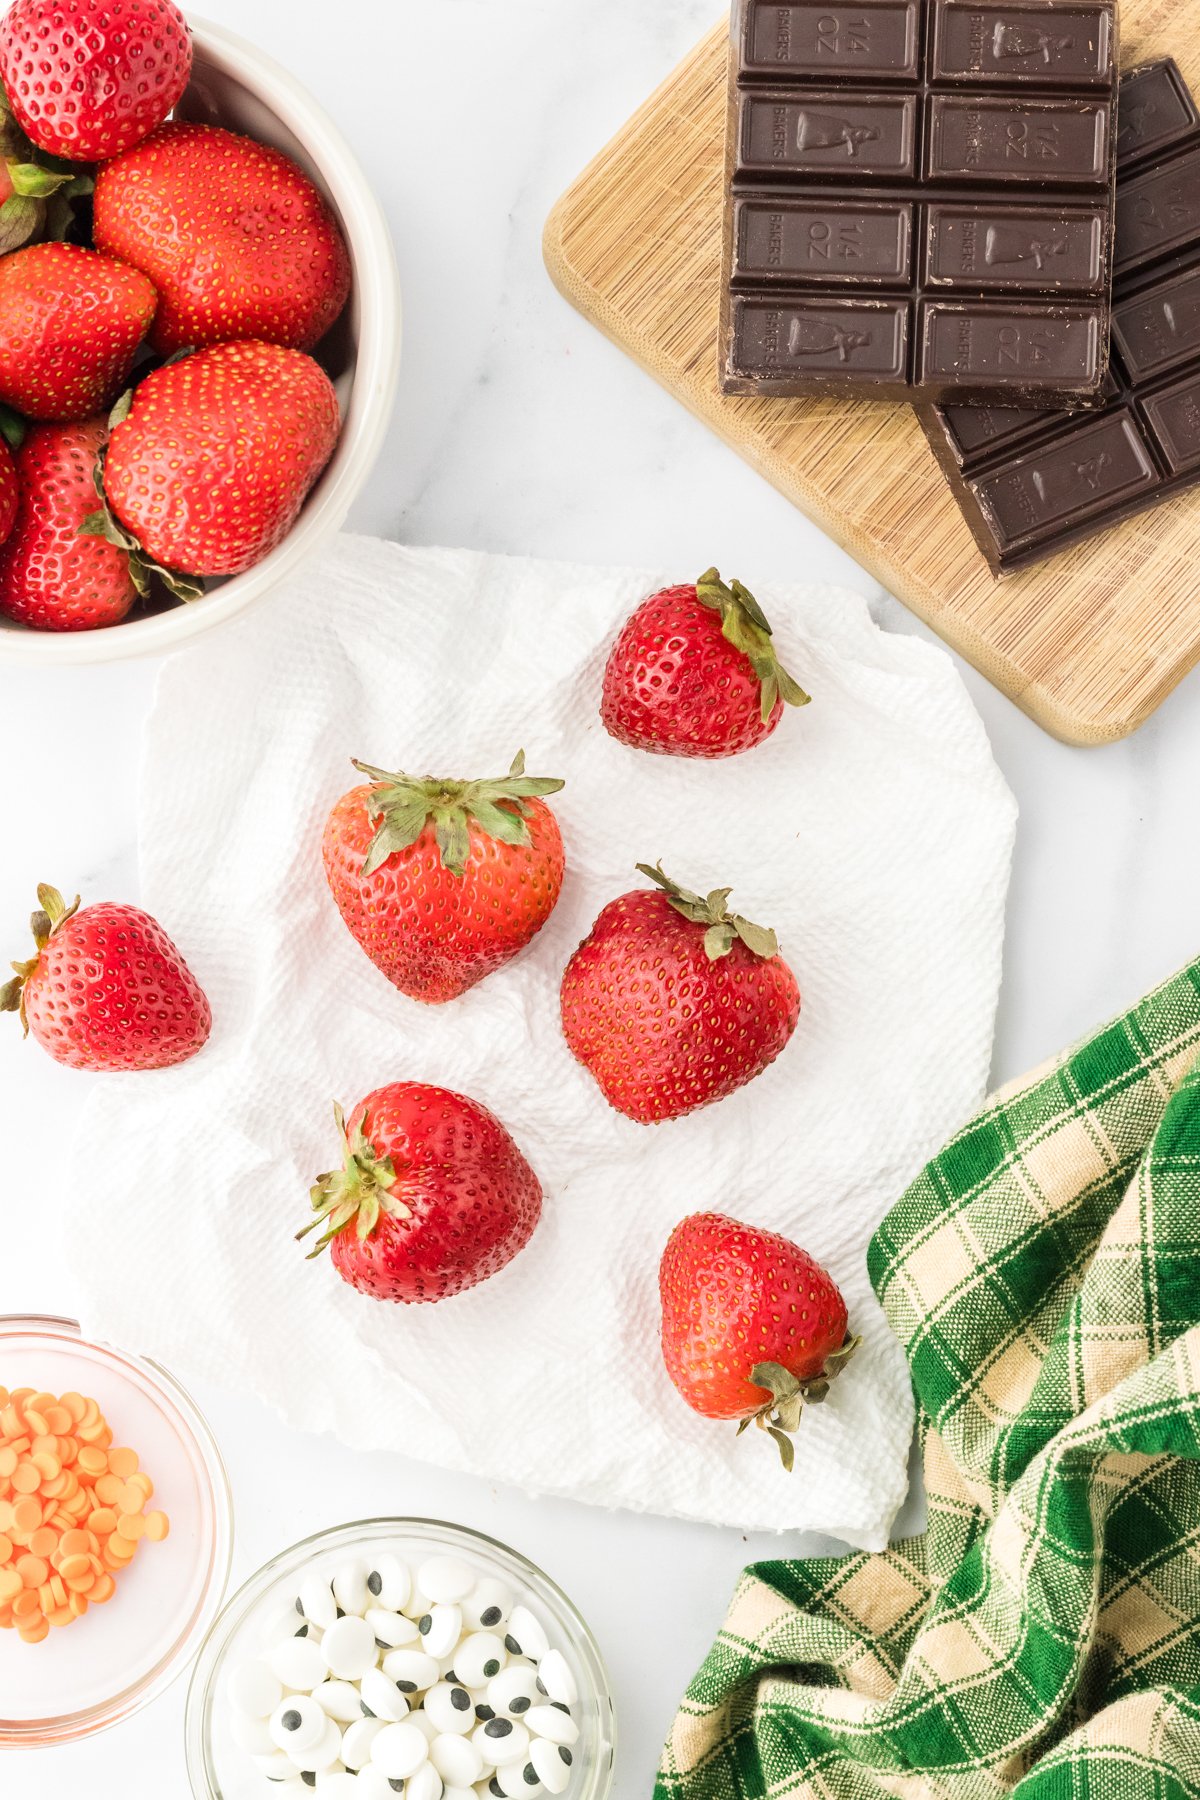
1032	482
920	200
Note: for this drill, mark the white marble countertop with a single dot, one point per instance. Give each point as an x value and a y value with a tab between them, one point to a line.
519	428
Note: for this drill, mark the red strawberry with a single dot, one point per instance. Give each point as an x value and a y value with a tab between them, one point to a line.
752	1327
52	576
35	197
213	461
432	1196
70	326
672	1002
235	237
694	673
9	491
88	78
440	881
107	989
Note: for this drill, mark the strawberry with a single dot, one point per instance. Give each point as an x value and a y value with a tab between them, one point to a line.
440	881
35	192
752	1327
70	326
432	1196
211	463
107	989
51	576
88	78
234	236
694	673
9	491
672	1002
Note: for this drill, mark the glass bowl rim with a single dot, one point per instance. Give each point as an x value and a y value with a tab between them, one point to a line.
170	1393
240	1604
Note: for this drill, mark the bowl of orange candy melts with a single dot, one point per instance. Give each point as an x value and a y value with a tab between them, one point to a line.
115	1531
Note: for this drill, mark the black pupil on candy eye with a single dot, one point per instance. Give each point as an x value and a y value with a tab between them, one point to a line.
561	1706
375	1582
521	1704
308	1777
491	1667
491	1616
291	1721
484	1712
495	1788
497	1728
425	1625
460	1699
303	1631
531	1774
566	1755
407	1687
397	1787
511	1645
300	1607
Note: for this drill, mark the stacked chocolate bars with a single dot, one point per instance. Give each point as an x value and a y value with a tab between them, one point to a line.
947	203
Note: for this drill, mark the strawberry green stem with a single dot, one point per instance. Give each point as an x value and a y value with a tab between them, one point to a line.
52	914
745	626
402	805
356	1193
779	1416
721	926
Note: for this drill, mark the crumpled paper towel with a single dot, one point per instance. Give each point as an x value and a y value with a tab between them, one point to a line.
873	831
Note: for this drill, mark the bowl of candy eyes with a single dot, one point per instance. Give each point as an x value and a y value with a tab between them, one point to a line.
235	87
400	1656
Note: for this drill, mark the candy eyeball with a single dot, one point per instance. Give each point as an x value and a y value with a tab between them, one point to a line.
392	1629
450	1707
501	1741
488	1606
349	1648
411	1670
513	1690
479	1658
426	1784
350	1588
457	1761
525	1636
357	1740
314	1758
298	1723
315	1602
251	1735
553	1723
440	1629
298	1664
380	1698
552	1770
339	1699
399	1750
557	1681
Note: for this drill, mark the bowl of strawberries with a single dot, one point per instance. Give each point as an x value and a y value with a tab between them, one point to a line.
199	328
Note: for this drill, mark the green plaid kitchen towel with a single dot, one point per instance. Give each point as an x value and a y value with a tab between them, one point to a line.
1043	1636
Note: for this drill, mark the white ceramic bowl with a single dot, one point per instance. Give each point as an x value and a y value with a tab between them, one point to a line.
234	84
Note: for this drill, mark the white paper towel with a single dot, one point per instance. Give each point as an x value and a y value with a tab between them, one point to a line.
873	831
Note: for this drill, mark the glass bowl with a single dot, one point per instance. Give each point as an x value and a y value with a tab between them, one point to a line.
118	1657
220	1770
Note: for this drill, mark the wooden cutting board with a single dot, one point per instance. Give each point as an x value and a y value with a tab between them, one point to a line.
1088	643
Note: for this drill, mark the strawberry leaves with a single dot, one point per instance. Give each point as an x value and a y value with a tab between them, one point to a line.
402	805
722	928
102	523
780	1416
53	912
358	1193
745	626
38	189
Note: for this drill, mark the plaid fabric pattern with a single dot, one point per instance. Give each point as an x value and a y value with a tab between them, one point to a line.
1043	1636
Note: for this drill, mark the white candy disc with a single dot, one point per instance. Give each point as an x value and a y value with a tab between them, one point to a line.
350	1588
373	1784
357	1740
316	1602
417	1604
451	1708
254	1690
550	1722
381	1696
457	1760
274	1766
525	1636
440	1629
445	1579
338	1785
548	1760
399	1750
515	1782
349	1648
554	1673
479	1658
426	1784
297	1723
391	1629
412	1670
339	1699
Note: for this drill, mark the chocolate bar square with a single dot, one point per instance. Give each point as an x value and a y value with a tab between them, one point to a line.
920	200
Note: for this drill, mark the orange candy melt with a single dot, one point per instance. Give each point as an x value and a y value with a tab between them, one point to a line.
72	1510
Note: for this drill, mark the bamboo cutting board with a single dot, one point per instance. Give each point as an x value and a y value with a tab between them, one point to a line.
1088	643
